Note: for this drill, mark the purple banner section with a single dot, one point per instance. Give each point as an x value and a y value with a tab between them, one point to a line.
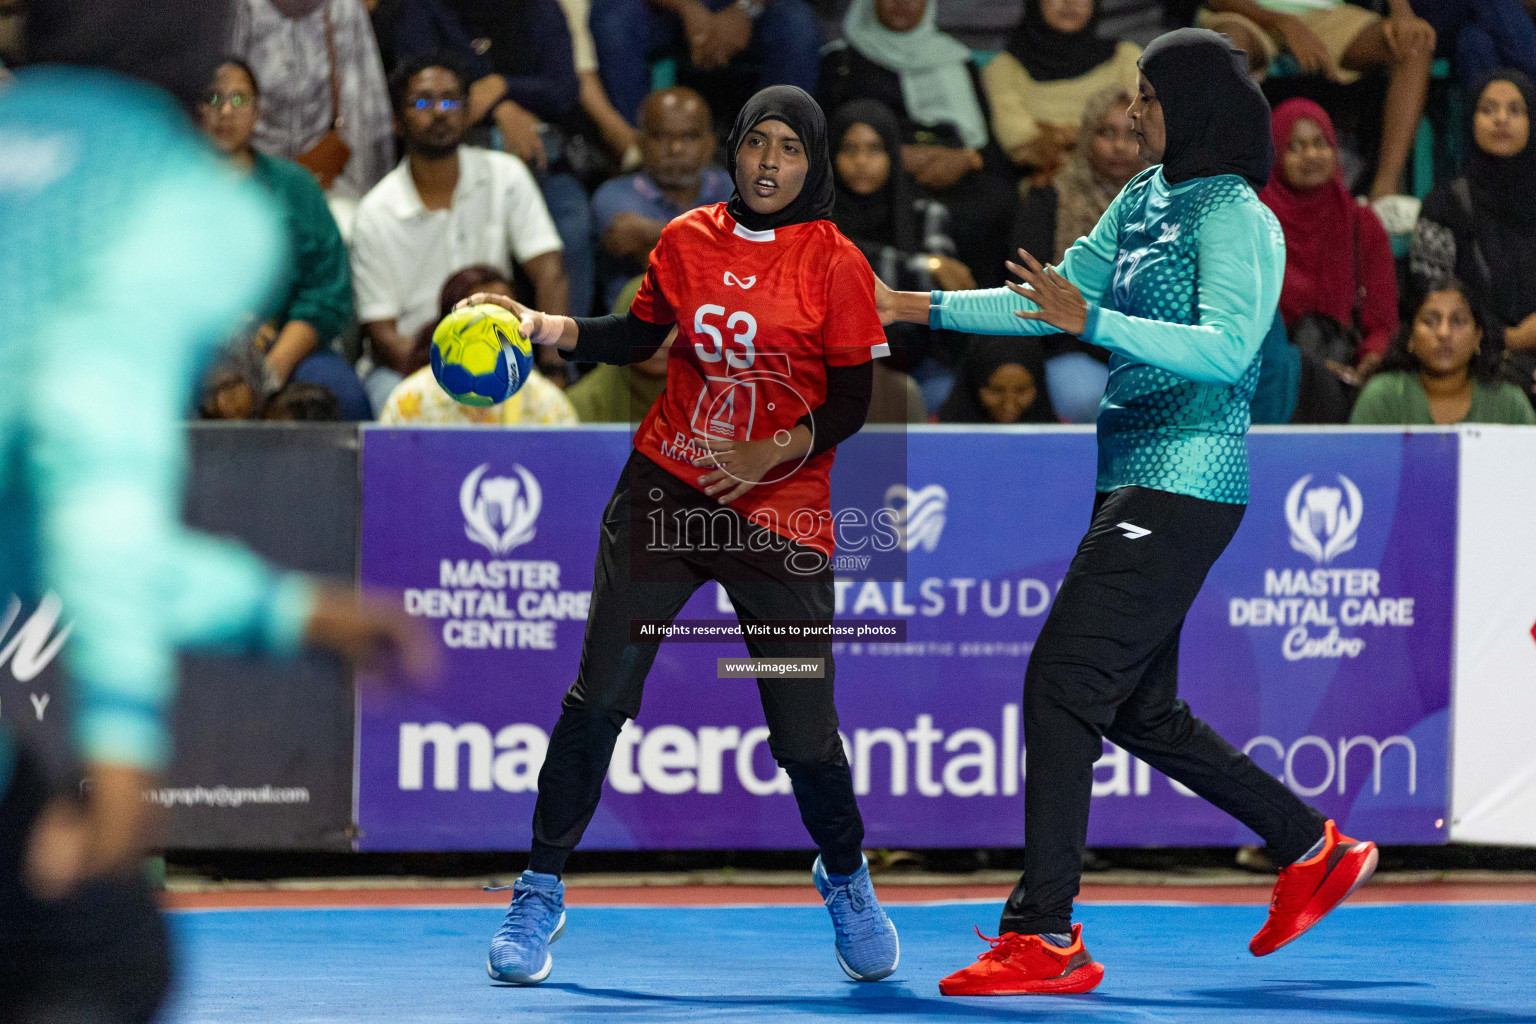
1321	645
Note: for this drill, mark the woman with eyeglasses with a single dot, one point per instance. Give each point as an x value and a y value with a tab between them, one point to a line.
312	302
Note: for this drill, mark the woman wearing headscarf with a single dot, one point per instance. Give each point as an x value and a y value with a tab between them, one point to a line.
893	53
1180	280
776	328
1054	65
1481	228
1052	216
1339	300
1001	380
876	209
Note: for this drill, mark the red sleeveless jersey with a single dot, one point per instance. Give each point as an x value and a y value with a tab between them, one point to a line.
760	316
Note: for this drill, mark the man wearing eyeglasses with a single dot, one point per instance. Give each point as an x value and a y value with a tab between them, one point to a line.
445	206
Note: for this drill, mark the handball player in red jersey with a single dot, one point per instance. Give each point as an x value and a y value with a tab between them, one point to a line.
776	326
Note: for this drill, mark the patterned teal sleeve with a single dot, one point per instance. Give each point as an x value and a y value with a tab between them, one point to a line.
1242	265
1089	264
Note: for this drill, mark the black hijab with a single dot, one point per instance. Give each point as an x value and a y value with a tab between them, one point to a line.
885	217
1049	55
1504	210
1504	186
982	358
794	107
1217	120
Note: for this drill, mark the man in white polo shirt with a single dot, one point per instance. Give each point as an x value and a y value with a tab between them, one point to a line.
443	208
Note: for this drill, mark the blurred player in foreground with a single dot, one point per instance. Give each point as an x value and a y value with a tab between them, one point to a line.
1179	280
776	329
126	254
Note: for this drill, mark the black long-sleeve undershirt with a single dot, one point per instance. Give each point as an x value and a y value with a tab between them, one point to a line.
622	340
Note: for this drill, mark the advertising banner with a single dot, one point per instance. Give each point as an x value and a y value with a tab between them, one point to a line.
1494	798
1321	644
262	748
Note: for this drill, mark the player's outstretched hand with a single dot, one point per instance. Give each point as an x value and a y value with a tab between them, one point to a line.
538	328
1061	304
371	631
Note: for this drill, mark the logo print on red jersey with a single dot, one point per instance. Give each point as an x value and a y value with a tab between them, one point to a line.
731	278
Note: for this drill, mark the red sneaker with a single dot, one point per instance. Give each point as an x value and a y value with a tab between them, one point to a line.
1310	888
1018	965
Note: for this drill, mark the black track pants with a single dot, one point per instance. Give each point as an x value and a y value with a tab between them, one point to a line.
1106	666
636	578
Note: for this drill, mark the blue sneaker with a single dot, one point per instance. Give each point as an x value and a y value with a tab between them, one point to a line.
867	947
520	948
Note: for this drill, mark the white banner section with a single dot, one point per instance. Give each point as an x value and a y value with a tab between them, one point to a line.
1493	769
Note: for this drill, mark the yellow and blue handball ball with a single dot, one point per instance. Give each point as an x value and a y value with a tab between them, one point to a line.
479	356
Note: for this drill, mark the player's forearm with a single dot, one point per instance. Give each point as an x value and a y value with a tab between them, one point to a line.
909	307
616	340
985	311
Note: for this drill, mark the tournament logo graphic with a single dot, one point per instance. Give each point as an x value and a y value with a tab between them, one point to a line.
919	514
499	511
1324	520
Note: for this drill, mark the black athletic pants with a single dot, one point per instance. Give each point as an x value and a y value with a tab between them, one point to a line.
97	956
641	576
1106	666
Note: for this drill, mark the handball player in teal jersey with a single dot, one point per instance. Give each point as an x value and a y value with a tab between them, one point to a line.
126	254
1179	280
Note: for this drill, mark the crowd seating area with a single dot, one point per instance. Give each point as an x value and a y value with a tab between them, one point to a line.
424	150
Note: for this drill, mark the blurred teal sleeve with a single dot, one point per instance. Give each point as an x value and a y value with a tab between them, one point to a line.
1089	264
114	368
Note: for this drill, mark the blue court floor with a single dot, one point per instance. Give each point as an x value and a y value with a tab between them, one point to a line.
1369	963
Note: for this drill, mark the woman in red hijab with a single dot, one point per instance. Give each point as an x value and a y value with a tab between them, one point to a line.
1338	260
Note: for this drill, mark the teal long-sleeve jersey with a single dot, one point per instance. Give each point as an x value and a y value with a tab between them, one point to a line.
1182	284
127	253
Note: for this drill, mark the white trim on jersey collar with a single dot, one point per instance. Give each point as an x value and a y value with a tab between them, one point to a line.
753	236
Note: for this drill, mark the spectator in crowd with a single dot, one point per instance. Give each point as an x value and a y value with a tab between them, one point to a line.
876	208
1055	64
779	39
1481	228
677	144
1338	40
445	206
325	103
618	135
1053	215
1442	369
894	54
312	302
1001	380
1482	36
420	399
522	83
1339	299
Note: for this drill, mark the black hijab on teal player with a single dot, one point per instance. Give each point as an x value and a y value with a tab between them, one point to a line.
795	108
1217	120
